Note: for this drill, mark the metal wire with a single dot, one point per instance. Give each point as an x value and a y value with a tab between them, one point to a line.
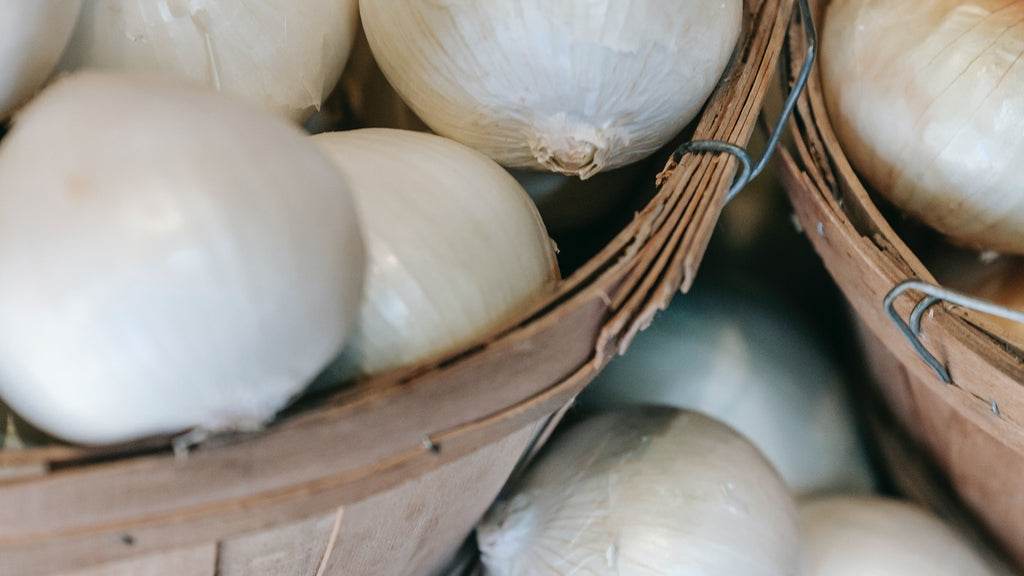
933	295
750	170
741	154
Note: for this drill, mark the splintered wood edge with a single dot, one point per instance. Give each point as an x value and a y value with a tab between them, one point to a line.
684	252
704	185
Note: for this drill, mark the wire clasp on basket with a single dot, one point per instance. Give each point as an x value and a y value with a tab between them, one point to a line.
933	295
749	170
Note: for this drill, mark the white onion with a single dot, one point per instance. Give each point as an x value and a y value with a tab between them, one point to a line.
873	536
571	86
927	99
742	359
456	247
33	34
284	54
168	259
645	491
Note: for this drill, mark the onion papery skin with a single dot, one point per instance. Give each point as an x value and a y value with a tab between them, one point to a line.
33	35
645	491
875	536
927	100
456	247
170	258
743	358
570	86
286	55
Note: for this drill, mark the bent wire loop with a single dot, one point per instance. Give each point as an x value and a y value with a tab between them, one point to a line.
933	294
749	170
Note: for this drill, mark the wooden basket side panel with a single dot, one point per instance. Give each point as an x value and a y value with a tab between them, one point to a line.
297	548
417	527
197	561
411	529
414	528
986	472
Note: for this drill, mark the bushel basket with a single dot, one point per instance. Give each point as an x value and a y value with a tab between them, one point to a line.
388	476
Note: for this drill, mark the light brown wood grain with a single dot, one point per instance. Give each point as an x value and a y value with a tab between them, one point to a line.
198	561
291	549
416	527
913	471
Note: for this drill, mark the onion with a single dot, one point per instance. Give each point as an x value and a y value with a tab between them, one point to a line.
456	247
927	99
32	36
872	536
570	86
169	259
743	360
645	490
283	54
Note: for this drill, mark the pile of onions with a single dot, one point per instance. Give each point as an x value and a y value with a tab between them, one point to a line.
743	359
284	54
573	86
873	536
456	247
645	490
169	259
926	100
32	37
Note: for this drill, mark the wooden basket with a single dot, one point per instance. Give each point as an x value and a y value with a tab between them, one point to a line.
970	428
908	470
387	477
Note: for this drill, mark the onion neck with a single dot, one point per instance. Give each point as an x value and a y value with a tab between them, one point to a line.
569	147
